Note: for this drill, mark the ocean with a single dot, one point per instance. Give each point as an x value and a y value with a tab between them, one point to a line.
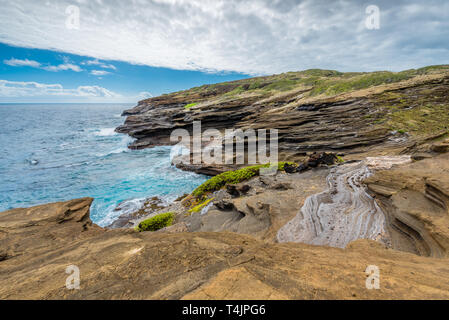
58	152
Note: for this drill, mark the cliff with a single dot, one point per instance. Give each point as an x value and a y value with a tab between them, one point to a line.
314	110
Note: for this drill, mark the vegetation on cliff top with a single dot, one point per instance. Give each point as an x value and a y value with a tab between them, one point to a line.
314	82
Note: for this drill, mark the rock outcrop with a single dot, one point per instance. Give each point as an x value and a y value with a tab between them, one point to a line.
415	199
39	243
315	110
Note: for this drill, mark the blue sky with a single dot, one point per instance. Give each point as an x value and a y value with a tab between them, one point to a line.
126	82
122	51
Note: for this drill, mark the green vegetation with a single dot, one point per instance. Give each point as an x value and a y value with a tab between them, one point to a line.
340	159
157	222
236	91
190	105
333	87
314	82
199	207
232	177
420	120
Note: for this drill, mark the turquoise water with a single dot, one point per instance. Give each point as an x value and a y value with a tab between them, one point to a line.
58	152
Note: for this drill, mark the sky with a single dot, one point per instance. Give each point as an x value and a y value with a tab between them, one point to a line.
125	51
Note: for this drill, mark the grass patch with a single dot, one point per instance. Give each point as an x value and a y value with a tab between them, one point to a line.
232	177
190	105
157	222
337	86
200	207
420	120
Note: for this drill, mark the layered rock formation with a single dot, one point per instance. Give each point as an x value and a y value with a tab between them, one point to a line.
314	110
39	243
415	199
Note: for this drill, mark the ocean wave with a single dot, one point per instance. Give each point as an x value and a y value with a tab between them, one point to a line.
106	132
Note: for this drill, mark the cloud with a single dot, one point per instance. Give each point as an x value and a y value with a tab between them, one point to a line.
99	72
22	63
34	64
16	89
96	62
249	36
63	67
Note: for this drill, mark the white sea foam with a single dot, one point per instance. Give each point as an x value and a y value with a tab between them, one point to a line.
105	132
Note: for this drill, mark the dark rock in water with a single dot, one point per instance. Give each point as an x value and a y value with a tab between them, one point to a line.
33	162
302	167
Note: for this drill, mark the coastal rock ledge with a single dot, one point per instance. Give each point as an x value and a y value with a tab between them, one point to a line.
38	244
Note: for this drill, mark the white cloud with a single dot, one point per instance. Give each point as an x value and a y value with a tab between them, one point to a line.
63	67
251	36
22	63
34	64
17	89
96	62
99	72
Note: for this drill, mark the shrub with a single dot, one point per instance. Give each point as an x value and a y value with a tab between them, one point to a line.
199	207
190	105
232	177
157	222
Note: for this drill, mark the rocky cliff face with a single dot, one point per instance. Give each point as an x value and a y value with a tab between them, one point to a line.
314	110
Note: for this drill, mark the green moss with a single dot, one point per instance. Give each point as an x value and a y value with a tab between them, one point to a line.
199	207
232	177
157	222
190	105
340	159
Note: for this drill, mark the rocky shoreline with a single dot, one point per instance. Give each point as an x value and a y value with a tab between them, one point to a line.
362	180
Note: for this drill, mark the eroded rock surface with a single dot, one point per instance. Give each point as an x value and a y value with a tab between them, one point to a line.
39	243
345	211
415	199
